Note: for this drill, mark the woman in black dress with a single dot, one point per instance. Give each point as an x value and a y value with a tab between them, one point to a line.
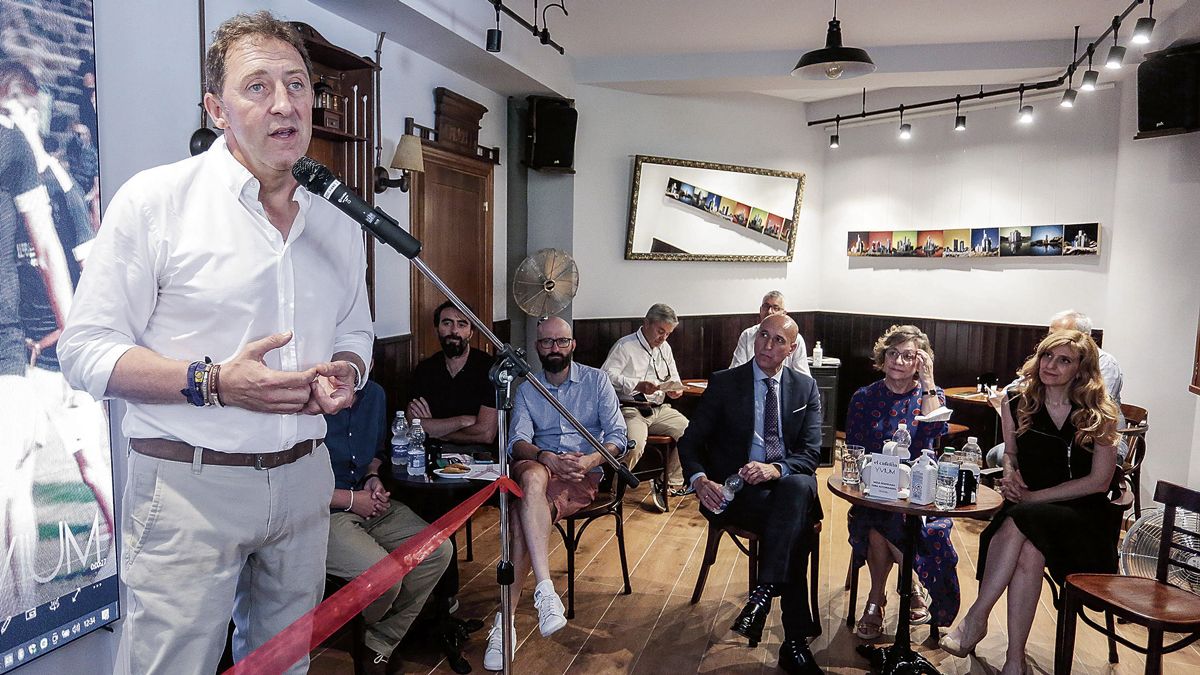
1060	450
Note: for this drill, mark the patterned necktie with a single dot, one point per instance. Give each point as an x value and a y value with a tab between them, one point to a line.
772	443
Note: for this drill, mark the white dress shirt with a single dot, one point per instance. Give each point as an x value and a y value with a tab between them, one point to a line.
632	360
745	351
188	266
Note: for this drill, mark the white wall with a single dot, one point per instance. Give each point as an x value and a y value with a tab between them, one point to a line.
752	131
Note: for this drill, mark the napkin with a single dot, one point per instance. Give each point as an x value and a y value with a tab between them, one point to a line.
942	414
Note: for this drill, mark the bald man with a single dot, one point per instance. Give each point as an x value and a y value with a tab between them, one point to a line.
558	470
762	421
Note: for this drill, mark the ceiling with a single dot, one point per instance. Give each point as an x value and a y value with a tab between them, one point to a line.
730	46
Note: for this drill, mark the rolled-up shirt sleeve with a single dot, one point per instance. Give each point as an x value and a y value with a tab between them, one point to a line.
354	332
115	298
520	427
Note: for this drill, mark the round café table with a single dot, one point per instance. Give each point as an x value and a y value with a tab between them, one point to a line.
900	657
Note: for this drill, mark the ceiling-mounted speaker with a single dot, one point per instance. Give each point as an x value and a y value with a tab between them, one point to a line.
550	134
1168	86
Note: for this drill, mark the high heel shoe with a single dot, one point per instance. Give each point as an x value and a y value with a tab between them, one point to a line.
955	647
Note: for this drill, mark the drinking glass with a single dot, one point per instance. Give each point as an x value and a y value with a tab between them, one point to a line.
851	464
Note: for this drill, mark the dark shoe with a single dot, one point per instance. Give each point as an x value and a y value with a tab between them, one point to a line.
657	493
796	658
750	622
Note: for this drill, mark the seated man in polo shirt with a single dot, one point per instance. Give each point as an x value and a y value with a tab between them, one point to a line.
558	470
365	525
642	370
452	395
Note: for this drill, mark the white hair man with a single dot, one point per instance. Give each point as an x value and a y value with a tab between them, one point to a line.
772	304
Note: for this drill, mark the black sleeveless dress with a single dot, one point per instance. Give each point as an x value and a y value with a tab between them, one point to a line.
1075	535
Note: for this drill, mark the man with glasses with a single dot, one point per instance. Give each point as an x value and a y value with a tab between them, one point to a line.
643	372
558	470
772	304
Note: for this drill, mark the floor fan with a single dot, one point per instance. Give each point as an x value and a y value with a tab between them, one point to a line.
1139	549
545	282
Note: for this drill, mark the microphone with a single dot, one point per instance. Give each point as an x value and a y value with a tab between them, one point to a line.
319	180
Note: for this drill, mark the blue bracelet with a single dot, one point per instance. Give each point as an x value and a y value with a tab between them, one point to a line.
197	376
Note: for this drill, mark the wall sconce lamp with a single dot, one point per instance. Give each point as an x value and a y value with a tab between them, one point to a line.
408	158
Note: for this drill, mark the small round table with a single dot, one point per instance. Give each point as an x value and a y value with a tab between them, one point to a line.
900	658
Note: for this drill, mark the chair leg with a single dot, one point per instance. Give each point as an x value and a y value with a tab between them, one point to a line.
753	566
1136	475
571	544
1064	647
710	556
814	575
852	584
470	537
621	547
1154	651
666	489
1112	642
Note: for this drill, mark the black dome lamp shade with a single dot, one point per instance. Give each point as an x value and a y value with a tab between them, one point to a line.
834	61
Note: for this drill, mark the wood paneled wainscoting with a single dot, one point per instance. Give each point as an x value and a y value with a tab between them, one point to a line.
963	349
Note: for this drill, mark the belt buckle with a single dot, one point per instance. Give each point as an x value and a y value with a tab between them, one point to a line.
258	463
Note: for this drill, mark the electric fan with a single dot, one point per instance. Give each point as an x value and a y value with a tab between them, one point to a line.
545	282
1139	549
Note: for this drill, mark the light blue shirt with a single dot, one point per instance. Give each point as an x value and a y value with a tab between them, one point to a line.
590	397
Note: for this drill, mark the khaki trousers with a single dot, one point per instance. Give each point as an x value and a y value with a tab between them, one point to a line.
663	421
356	544
202	542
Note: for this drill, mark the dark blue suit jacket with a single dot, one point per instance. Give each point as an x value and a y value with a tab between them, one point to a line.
719	434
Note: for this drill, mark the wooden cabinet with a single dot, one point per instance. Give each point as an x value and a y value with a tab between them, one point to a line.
827	386
344	121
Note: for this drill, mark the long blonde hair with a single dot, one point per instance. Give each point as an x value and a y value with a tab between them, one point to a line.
1095	415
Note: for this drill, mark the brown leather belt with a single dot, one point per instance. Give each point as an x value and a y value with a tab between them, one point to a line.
178	451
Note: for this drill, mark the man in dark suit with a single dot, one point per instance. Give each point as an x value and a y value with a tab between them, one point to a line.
763	422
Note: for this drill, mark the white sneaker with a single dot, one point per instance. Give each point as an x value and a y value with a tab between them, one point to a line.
551	613
493	656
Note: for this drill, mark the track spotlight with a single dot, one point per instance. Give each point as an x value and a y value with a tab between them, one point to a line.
960	120
494	35
1116	53
1144	27
1090	76
1024	112
1068	99
905	129
836	138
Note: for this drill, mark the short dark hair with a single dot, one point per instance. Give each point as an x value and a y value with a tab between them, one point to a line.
17	73
260	25
437	313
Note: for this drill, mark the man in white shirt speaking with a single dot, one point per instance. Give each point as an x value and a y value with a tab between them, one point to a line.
229	310
772	304
643	372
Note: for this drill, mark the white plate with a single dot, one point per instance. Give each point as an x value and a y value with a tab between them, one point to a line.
446	474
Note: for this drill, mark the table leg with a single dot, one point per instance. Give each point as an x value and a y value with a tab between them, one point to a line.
900	659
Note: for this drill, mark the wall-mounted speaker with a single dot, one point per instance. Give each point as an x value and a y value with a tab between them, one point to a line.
550	134
1168	85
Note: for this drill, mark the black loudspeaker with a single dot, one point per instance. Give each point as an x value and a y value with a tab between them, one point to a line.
550	134
1169	93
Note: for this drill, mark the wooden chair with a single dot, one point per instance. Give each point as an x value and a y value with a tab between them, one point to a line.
750	548
663	446
1152	603
572	528
1136	426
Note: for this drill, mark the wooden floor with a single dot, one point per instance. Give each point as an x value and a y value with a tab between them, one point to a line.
656	630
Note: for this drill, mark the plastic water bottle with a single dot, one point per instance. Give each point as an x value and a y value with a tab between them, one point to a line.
728	490
399	442
946	496
971	456
818	355
416	449
903	441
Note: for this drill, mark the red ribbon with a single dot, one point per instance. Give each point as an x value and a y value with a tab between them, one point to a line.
306	633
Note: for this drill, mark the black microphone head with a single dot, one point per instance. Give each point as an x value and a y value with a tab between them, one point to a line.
312	174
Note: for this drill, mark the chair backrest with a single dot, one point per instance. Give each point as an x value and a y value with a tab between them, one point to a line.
1175	497
1134	433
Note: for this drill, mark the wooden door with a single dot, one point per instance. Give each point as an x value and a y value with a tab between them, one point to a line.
452	217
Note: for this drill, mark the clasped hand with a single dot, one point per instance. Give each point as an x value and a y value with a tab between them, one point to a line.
571	466
1013	487
376	502
247	382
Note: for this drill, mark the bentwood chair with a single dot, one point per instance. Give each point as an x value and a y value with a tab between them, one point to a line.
572	528
1134	433
750	548
663	447
1153	603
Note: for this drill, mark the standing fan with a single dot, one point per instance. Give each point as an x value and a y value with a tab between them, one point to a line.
545	282
1139	550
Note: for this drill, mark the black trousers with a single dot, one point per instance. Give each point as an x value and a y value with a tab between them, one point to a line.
782	513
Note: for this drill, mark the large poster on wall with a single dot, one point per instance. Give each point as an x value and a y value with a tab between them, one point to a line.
58	573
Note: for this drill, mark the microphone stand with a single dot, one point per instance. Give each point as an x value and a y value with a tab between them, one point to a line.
510	364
